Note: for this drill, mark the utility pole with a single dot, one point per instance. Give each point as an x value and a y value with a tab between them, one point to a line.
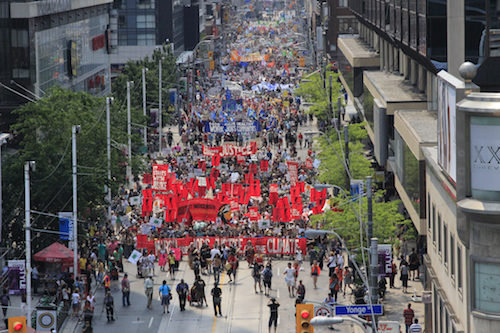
330	105
374	274
369	205
160	113
145	132
346	149
75	129
27	213
129	136
3	139
108	152
339	110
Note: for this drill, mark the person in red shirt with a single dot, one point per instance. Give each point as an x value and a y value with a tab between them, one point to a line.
409	315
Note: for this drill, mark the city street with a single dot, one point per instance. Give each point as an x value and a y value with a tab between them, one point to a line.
243	311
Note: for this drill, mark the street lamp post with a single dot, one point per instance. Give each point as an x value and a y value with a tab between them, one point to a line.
108	152
129	136
27	214
74	131
145	133
3	139
160	113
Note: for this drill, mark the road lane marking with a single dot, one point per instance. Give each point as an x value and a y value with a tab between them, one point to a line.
150	322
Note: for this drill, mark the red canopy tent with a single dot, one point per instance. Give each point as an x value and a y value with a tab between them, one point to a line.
55	253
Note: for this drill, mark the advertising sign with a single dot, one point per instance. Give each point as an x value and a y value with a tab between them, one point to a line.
385	259
16	277
485	153
447	131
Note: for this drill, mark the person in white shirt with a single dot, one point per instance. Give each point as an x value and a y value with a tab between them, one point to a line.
340	260
332	263
415	327
290	278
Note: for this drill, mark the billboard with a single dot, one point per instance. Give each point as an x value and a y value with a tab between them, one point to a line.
447	129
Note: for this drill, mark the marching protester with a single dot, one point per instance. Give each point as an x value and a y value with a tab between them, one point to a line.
182	290
109	303
125	290
165	295
216	293
148	290
273	308
267	275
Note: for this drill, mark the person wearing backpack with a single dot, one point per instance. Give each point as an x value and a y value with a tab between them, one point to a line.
315	271
267	275
182	291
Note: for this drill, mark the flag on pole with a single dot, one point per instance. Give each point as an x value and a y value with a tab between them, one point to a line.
134	200
134	257
154	221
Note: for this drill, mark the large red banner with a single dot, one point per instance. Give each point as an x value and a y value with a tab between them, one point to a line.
230	150
160	177
293	172
263	245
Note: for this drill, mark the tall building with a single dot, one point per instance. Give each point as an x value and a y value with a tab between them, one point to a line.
139	26
43	43
438	150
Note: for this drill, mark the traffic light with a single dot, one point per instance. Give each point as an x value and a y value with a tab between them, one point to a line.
304	313
17	325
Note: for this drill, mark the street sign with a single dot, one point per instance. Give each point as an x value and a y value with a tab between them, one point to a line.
322	311
357	310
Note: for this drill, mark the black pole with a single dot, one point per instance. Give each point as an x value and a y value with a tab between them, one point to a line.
346	142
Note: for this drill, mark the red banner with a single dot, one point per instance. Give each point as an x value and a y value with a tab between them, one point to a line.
293	172
160	177
263	245
230	150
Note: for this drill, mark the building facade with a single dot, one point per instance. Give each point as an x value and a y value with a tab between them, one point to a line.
46	43
402	73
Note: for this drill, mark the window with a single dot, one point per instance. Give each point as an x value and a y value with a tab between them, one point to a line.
459	267
428	211
486	280
145	21
19	38
452	256
343	3
439	234
436	308
146	39
146	4
122	21
434	224
445	244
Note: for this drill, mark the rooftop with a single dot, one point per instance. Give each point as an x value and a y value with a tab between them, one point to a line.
357	52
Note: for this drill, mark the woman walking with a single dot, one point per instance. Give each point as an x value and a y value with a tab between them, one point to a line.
315	271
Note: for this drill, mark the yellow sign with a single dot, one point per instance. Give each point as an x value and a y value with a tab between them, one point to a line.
211	55
211	65
286	103
302	62
285	93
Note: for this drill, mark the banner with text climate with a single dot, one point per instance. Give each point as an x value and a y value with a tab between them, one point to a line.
230	150
263	245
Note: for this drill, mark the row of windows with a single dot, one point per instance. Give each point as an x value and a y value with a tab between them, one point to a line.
442	321
141	21
449	249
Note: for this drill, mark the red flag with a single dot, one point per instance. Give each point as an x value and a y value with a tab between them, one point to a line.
264	165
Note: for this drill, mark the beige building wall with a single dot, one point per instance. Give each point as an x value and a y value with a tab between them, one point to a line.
442	240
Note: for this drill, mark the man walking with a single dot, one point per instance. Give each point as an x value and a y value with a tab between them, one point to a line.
107	283
267	276
273	319
301	291
409	315
217	298
109	302
290	278
182	291
126	290
148	290
165	295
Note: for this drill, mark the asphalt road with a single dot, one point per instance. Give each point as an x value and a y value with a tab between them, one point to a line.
243	310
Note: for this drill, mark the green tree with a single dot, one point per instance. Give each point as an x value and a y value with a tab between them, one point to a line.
133	72
332	156
312	89
44	128
386	219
